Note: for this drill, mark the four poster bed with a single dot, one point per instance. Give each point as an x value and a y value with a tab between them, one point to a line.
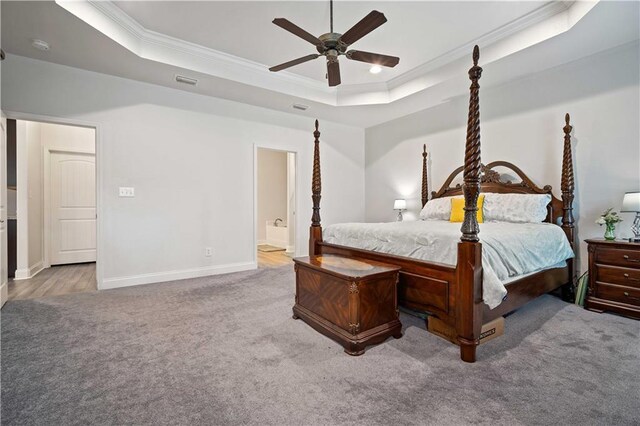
454	294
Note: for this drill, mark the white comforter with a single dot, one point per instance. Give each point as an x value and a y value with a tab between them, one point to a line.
508	249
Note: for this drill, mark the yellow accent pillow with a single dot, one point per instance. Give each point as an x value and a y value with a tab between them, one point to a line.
457	209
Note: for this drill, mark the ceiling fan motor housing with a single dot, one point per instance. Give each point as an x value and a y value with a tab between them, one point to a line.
330	42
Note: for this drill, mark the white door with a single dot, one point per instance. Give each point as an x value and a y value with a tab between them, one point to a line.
72	208
4	269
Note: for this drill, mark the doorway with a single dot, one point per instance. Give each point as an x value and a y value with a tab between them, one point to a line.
54	209
275	207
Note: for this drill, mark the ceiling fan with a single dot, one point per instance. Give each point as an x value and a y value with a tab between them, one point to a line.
332	45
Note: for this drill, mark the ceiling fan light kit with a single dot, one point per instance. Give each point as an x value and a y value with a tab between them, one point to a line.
333	45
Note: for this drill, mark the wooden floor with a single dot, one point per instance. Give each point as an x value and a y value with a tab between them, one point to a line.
273	259
59	280
55	281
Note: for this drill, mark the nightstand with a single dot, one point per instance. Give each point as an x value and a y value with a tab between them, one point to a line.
614	277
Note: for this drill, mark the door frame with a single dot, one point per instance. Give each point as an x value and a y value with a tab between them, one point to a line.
100	249
4	285
280	148
46	194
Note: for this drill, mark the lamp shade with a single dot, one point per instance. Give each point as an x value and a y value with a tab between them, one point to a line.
400	204
631	202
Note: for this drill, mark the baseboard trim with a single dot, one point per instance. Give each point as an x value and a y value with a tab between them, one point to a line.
4	294
21	274
32	271
277	243
158	277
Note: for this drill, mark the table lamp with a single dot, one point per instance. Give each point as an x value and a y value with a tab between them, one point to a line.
400	205
631	204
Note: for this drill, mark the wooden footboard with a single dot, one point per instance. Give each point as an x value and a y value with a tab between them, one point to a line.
430	287
423	287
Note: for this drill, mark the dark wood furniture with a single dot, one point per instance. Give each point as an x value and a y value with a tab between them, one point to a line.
453	294
614	277
351	301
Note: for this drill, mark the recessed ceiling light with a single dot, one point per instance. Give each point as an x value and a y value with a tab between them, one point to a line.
40	45
376	69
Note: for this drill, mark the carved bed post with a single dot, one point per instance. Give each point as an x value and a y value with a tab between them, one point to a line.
315	232
469	269
567	186
425	179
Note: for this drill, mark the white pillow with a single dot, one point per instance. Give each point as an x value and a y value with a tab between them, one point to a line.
520	208
437	209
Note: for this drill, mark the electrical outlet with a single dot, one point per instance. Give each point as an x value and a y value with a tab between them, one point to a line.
208	252
126	191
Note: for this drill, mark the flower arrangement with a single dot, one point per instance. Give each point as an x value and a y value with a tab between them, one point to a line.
609	218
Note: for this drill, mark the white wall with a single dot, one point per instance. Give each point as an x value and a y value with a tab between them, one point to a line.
68	138
34	194
28	205
291	200
189	157
272	189
522	122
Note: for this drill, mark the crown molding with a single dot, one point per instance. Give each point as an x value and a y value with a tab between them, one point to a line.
110	20
548	21
149	37
542	13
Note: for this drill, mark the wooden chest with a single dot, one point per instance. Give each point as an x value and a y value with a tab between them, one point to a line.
614	277
352	301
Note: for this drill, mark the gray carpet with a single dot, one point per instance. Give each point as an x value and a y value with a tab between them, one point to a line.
224	350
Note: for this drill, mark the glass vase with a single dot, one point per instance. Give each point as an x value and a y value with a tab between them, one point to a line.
610	233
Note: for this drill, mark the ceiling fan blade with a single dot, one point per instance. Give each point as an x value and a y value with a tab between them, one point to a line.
294	29
369	23
294	62
333	72
373	58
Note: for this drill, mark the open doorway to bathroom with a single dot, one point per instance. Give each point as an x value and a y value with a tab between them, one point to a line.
275	210
51	200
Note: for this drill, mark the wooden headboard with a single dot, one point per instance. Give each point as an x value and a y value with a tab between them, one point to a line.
492	180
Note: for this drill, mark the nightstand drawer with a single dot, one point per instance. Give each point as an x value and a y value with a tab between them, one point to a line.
619	257
617	275
618	293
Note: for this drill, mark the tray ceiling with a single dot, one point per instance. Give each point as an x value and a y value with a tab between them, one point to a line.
104	37
243	28
412	32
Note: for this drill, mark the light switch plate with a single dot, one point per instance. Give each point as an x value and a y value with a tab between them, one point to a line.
125	191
